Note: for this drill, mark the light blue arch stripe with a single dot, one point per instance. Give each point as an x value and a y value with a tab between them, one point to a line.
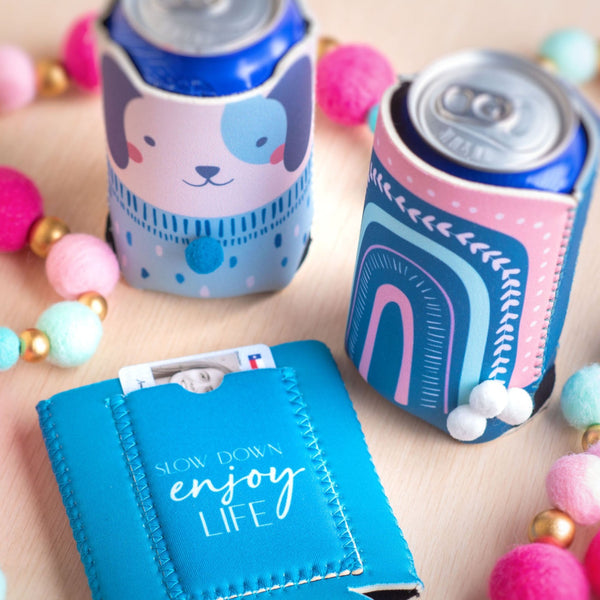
477	293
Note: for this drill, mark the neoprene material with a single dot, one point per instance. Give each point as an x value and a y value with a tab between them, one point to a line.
263	487
459	282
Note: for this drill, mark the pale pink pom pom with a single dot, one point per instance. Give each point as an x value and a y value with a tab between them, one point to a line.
79	53
573	485
351	80
17	78
80	263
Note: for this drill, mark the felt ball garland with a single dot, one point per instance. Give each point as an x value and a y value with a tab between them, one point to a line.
22	79
82	269
545	569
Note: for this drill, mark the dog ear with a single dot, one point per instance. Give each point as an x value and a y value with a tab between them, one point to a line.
294	91
117	92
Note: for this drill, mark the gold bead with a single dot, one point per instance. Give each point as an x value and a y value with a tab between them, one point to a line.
52	78
45	232
35	345
590	437
552	527
95	302
326	44
547	65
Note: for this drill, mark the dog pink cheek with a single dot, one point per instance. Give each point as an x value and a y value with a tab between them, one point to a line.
277	155
134	154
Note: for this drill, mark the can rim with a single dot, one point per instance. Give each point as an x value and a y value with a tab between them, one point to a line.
474	57
130	8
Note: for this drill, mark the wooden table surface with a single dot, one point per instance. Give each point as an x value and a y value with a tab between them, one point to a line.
460	507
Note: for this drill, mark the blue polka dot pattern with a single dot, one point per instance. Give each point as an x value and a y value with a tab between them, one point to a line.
129	238
278	241
233	261
284	262
204	255
179	278
145	274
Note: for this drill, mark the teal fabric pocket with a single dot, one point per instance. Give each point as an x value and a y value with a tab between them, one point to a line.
261	488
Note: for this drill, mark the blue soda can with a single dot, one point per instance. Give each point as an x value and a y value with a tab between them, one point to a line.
208	108
479	185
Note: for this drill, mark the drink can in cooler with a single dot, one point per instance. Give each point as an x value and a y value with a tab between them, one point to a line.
208	108
479	185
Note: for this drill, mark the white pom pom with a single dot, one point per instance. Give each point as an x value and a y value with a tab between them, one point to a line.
464	424
489	398
519	407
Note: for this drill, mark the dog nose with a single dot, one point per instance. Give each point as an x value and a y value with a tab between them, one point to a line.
207	171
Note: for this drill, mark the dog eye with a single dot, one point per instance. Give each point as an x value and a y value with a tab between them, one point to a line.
261	142
149	140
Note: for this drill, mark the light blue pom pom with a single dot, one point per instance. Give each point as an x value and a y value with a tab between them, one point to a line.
2	586
372	117
9	352
74	332
580	398
574	52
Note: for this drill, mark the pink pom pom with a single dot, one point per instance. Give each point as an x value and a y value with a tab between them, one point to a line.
80	53
17	78
538	572
20	205
350	81
573	485
592	564
80	263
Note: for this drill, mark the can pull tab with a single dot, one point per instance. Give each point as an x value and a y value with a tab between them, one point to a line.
466	104
194	4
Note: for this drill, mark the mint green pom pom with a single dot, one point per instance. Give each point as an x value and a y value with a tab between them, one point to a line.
9	352
372	117
74	332
580	398
574	52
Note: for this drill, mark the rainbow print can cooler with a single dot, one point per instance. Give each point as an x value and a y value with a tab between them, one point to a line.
479	184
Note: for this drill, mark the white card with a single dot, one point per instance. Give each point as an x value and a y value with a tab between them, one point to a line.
199	373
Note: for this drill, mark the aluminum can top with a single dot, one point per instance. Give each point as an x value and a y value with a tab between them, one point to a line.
202	27
492	111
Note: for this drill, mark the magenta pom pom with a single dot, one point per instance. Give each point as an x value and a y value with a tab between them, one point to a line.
592	564
80	263
20	205
573	485
350	81
79	53
17	78
538	572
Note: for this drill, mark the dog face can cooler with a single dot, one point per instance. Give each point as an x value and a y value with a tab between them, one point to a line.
479	184
208	108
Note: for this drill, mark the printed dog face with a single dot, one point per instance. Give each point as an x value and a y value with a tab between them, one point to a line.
206	158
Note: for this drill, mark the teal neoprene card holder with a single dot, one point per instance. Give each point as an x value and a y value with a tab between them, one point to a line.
261	488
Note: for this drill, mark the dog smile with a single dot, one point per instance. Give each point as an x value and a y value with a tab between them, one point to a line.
208	181
207	172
